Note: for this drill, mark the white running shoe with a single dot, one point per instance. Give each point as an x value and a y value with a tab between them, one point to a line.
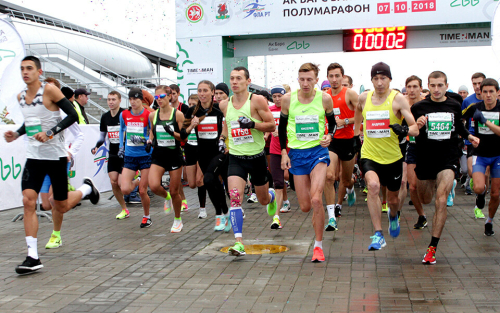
203	213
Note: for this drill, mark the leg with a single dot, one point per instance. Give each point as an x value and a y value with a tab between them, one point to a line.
346	182
373	202
30	219
444	185
304	192
317	181
403	191
143	190
114	178
191	175
154	180
175	187
127	182
412	179
425	190
495	197
331	177
236	188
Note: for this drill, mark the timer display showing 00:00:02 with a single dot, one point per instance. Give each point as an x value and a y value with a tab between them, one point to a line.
373	39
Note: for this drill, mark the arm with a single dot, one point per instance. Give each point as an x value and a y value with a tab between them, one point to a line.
122	130
285	106
268	124
100	141
180	121
358	113
404	107
77	143
56	96
494	128
151	135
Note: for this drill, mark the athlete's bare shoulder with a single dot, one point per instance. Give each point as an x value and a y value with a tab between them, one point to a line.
400	101
258	102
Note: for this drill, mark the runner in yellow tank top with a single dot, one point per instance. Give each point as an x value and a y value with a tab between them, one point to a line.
382	111
247	119
302	120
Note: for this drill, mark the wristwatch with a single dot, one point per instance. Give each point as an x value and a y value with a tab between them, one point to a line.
49	133
346	121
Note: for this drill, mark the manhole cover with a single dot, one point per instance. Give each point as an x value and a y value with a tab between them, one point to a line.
261	249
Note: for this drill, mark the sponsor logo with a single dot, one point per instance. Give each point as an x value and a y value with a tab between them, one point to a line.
194	13
99	160
7	169
256	9
222	11
298	45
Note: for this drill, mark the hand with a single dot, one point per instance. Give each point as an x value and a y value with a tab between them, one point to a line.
474	140
275	133
41	136
195	121
357	143
400	130
149	143
266	135
285	162
137	139
421	122
121	152
325	142
70	156
245	122
478	116
340	122
93	150
168	130
222	145
10	136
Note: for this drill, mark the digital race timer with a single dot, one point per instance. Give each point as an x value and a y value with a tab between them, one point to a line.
373	39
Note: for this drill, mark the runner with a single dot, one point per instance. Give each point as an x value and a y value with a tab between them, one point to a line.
165	137
382	111
247	119
463	91
342	149
414	89
206	120
486	116
134	125
110	126
46	155
477	79
221	92
303	116
439	122
325	86
193	171
347	81
277	173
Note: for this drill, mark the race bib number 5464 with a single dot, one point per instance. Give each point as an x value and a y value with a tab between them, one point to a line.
439	126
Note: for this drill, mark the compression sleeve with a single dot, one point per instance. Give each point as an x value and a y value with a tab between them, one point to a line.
332	123
183	134
72	116
461	130
102	138
21	130
282	130
122	130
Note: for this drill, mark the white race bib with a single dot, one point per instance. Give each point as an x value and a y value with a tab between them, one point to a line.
114	134
490	116
240	135
207	129
163	138
134	131
439	126
377	124
307	127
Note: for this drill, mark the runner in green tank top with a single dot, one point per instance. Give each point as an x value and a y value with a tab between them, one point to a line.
302	117
247	119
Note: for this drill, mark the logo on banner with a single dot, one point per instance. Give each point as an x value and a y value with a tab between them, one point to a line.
256	9
8	169
298	45
222	11
100	160
194	13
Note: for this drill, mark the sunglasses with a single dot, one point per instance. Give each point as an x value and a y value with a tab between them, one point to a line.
161	96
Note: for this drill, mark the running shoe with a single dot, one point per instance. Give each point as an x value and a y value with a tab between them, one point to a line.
70	187
488	229
365	191
351	198
430	256
393	225
220	223
227	229
237	250
137	174
451	196
184	206
318	255
243	211
203	213
167	204
252	198
384	207
478	213
146	222
378	242
123	214
54	242
471	184
135	199
332	225
29	265
94	194
271	207
345	197
480	200
338	210
276	223
285	208
421	223
177	227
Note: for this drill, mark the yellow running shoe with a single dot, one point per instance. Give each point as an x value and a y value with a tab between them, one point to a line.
54	242
123	214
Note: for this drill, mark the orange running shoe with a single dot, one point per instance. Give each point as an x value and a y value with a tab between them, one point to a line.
318	255
430	256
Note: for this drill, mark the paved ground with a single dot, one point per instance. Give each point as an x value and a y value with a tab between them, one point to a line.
106	265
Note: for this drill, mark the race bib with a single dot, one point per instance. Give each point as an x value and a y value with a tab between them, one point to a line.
240	135
114	134
439	126
307	127
276	116
207	129
33	126
192	140
336	111
134	131
163	138
377	124
490	116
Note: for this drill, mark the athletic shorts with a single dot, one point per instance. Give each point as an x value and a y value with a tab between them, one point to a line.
137	163
389	175
403	147
343	148
276	172
470	151
480	163
191	154
267	150
411	154
305	160
255	165
115	164
35	171
46	182
429	168
169	162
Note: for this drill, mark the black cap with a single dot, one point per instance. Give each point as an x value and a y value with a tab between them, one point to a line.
81	91
223	87
67	92
135	93
381	68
